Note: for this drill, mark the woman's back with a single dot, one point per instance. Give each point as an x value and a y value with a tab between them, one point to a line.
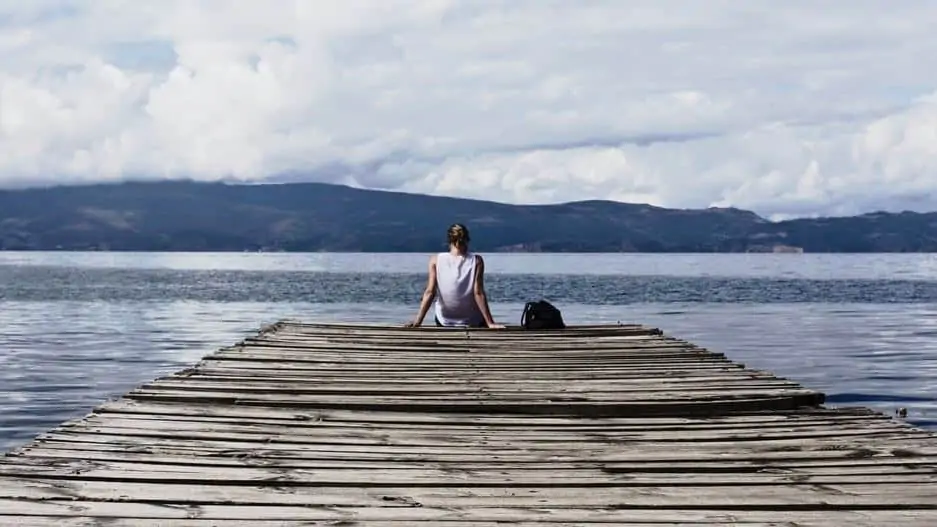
455	283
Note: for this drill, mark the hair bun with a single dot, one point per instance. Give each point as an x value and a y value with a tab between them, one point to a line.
458	233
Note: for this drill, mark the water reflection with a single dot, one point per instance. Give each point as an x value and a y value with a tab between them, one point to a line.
780	266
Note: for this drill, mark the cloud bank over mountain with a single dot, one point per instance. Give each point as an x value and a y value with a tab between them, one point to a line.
789	109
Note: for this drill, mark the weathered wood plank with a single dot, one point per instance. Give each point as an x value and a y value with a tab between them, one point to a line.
853	520
328	426
120	471
391	448
554	405
839	463
486	437
484	418
819	450
526	349
508	398
449	517
235	361
244	515
418	361
231	373
641	390
779	497
863	521
430	331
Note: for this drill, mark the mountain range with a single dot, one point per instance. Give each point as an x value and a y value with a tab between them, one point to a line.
193	216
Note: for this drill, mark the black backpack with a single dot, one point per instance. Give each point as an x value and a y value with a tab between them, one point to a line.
541	315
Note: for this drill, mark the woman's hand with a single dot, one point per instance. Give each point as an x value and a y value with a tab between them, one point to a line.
496	326
411	324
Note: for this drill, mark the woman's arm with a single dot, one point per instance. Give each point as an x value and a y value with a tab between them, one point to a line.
480	297
429	294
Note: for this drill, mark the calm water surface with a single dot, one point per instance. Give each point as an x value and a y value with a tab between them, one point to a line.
78	328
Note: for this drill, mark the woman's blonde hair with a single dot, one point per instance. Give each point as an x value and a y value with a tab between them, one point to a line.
458	235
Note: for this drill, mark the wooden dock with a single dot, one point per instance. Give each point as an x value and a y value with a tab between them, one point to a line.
341	425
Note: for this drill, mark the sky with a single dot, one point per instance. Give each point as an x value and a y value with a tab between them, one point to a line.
794	108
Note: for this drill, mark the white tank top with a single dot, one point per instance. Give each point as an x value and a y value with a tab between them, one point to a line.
455	290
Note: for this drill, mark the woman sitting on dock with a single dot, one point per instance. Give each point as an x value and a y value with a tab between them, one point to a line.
457	283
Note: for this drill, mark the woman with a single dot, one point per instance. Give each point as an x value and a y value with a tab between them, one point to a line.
457	283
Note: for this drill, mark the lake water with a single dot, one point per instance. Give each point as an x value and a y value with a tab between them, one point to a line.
78	328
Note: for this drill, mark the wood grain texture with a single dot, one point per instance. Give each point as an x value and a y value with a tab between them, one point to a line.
357	425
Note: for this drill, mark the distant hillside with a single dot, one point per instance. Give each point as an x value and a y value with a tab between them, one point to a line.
187	216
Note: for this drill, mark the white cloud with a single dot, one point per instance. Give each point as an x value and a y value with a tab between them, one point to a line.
790	109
